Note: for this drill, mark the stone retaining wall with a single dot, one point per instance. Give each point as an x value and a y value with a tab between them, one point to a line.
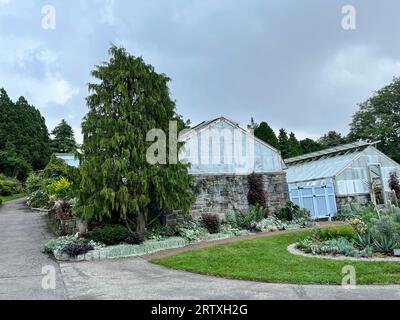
223	194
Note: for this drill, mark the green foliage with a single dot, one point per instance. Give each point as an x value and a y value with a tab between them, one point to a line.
109	234
9	186
191	231
246	220
354	210
334	246
378	120
13	165
284	143
211	222
117	183
64	140
23	133
346	232
385	226
34	182
59	245
256	194
265	133
332	139
38	199
364	240
385	243
56	168
292	212
60	188
294	148
269	224
308	145
1	201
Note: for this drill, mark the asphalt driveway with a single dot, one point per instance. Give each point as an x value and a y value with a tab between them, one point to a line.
23	231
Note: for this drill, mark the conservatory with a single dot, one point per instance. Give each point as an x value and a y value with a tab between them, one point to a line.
323	181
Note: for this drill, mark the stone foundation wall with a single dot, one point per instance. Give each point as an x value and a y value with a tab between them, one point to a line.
221	194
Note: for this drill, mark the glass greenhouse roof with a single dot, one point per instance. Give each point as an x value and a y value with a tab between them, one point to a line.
325	167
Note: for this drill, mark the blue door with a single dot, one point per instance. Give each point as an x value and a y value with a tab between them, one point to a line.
319	200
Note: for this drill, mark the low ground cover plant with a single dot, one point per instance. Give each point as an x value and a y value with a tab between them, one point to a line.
71	245
369	233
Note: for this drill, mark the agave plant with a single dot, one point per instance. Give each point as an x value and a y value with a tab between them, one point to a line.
364	240
384	243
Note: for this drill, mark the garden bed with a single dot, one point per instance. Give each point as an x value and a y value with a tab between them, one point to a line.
375	257
148	247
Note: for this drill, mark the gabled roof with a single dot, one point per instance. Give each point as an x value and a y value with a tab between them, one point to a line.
205	124
334	151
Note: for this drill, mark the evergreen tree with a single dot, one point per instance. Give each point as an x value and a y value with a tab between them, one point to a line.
23	131
264	132
283	143
117	181
293	146
332	139
308	145
64	140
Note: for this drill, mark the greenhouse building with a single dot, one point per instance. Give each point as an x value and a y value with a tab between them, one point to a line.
323	181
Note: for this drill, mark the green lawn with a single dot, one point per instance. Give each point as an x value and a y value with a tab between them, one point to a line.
267	259
13	197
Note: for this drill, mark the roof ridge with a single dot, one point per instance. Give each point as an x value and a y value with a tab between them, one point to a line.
331	150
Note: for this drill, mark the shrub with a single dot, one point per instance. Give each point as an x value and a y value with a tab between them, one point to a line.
246	220
1	201
111	234
38	199
58	245
9	186
384	226
34	182
355	210
135	238
256	194
76	249
14	166
56	168
292	212
191	231
346	232
60	188
211	222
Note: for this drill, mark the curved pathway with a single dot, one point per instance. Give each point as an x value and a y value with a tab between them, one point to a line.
22	231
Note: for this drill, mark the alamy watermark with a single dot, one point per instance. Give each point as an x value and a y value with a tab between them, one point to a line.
210	146
49	279
349	19
349	280
49	19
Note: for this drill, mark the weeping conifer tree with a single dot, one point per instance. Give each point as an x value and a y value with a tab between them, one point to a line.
117	182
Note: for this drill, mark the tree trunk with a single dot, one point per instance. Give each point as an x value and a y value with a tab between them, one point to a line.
141	223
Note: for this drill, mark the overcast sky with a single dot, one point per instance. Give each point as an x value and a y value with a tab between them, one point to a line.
287	62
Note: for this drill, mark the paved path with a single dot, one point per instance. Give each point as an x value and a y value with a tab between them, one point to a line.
22	231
